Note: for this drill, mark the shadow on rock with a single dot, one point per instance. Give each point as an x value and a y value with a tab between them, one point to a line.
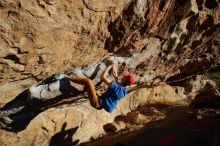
181	125
64	137
17	114
208	97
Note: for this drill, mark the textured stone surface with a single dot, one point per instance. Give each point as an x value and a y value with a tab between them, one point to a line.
89	123
41	37
172	127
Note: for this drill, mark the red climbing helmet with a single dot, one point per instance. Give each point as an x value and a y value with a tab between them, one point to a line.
130	77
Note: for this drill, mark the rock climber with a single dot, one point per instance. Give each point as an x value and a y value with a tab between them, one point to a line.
115	91
34	97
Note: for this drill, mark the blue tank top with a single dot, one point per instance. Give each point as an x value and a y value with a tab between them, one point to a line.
109	99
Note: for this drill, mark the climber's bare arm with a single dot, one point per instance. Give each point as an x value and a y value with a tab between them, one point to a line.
130	90
104	77
121	68
115	72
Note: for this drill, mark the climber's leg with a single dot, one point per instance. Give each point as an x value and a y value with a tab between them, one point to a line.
94	100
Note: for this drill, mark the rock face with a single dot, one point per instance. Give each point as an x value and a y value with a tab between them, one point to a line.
82	123
39	38
43	37
185	30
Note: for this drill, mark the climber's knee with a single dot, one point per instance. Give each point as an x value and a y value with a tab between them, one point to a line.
96	105
88	81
